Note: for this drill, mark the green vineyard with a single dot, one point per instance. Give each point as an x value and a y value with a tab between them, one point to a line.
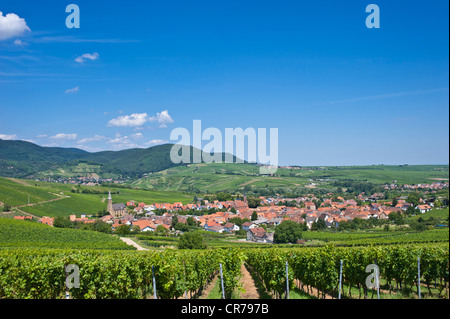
320	267
108	274
26	234
112	274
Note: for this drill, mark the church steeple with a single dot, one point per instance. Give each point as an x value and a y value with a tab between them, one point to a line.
109	206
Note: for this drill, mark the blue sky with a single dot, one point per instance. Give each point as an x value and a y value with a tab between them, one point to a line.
338	92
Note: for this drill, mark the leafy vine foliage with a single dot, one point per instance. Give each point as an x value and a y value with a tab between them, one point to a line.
111	274
32	273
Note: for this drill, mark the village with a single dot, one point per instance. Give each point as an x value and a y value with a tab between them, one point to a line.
332	210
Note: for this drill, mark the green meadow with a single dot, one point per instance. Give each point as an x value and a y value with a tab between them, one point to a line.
16	194
69	202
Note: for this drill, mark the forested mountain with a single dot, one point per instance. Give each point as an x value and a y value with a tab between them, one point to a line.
27	160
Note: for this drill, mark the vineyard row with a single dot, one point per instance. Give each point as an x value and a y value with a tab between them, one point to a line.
34	273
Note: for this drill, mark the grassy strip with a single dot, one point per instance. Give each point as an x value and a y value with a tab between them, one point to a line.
216	294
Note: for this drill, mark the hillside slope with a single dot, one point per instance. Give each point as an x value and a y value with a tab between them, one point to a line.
28	234
20	158
27	160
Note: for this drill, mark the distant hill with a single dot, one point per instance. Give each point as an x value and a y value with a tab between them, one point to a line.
21	159
27	160
136	161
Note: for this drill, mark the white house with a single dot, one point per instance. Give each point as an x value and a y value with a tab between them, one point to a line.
309	220
145	225
423	208
248	225
230	227
275	221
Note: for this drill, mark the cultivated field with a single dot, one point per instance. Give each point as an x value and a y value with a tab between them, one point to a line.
214	177
54	199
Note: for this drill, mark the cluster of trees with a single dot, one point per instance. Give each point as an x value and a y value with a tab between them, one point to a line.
92	190
358	187
220	196
363	224
253	202
191	224
288	231
195	212
98	225
192	240
422	224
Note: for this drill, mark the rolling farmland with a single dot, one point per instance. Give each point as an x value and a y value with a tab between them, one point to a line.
215	177
54	199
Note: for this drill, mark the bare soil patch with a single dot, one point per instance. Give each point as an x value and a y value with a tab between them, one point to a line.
250	291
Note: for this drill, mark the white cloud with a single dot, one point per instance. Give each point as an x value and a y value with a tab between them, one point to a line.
162	118
20	43
155	142
119	139
127	142
122	142
138	119
8	137
51	145
72	91
11	25
384	96
41	135
63	136
89	148
87	56
135	119
136	136
95	138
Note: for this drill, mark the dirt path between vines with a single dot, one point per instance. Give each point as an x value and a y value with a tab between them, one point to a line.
132	243
18	181
247	283
45	201
250	291
205	292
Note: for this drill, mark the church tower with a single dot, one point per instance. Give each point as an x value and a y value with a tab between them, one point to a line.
109	206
